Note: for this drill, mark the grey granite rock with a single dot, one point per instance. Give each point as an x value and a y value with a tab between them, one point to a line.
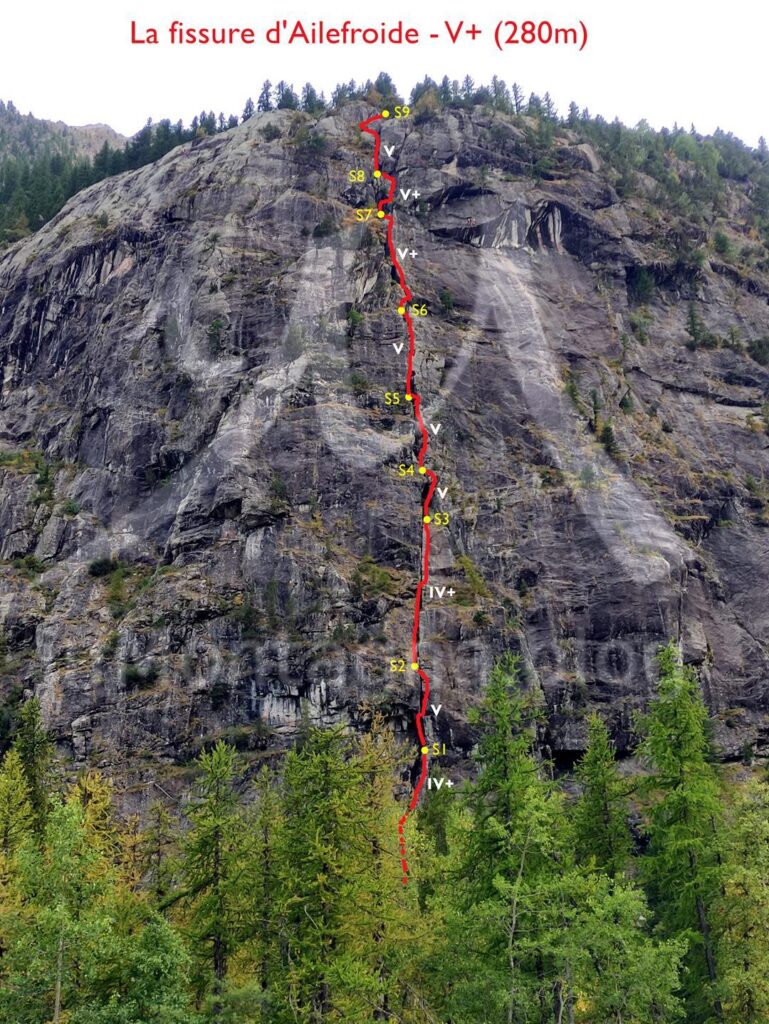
195	402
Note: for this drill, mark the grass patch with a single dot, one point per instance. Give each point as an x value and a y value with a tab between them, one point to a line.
371	580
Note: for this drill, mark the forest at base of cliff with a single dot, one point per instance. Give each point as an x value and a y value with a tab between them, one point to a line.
597	897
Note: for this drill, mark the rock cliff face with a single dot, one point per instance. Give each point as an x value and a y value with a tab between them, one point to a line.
202	526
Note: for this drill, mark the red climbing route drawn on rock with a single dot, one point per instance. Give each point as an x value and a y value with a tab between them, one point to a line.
413	396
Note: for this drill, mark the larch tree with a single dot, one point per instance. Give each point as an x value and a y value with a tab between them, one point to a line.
35	748
601	814
682	867
78	945
502	895
16	814
264	102
210	894
378	972
742	908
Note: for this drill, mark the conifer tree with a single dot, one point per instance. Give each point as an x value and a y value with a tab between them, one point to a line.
343	908
503	905
94	793
378	972
158	846
210	892
444	91
601	814
619	972
311	101
80	946
742	908
314	857
265	97
682	866
517	96
384	87
35	748
16	815
258	935
285	97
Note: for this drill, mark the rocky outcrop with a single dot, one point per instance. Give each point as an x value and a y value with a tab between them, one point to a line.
202	524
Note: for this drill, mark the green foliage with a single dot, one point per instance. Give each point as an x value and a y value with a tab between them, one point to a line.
136	678
9	707
758	349
359	383
370	580
101	567
447	300
639	320
278	488
215	334
111	643
683	865
721	244
29	566
116	592
115	575
78	944
276	896
640	285
626	403
35	750
742	908
30	461
571	387
309	143
16	813
733	339
249	618
620	971
541	939
354	319
324	228
40	166
211	895
601	815
608	440
699	335
343	907
474	580
270	132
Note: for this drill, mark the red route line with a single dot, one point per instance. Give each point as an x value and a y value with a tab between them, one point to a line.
407	296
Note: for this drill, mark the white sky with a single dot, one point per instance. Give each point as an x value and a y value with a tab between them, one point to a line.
669	61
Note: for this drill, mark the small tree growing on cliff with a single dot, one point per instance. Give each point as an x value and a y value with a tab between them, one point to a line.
608	440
